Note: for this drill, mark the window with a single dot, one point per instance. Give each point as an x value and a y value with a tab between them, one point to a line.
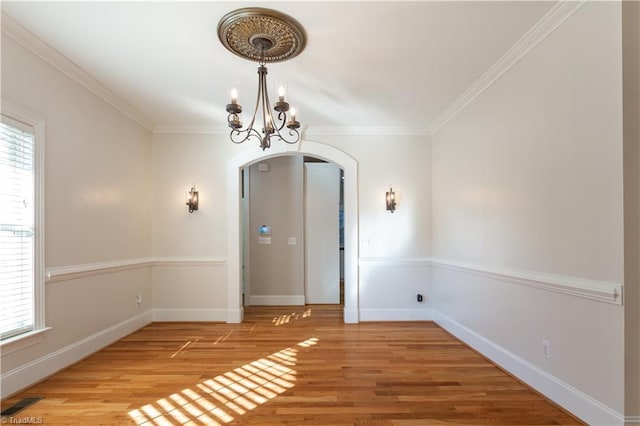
21	230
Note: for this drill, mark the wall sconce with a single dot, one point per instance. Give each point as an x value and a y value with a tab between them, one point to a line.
391	200
192	199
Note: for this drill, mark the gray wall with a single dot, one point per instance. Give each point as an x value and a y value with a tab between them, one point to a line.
276	199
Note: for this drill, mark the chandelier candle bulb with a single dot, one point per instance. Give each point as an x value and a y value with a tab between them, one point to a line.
234	109
281	94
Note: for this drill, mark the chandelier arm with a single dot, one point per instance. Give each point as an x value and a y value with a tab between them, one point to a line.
267	114
231	118
248	134
237	133
255	110
293	133
282	118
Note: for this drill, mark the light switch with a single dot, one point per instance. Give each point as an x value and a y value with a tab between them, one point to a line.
264	240
292	241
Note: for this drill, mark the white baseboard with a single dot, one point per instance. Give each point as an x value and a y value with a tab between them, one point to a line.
351	316
175	315
34	371
276	300
235	316
581	405
396	315
632	420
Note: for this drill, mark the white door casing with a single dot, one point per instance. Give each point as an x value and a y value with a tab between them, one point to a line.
234	232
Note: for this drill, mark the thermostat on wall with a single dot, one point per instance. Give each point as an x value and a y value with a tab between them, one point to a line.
264	230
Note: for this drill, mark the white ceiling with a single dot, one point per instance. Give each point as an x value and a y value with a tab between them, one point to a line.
366	64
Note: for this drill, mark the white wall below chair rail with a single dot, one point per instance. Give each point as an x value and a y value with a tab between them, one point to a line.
585	407
36	370
425	314
177	315
389	289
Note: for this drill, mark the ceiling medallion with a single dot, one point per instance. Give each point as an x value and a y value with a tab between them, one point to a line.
262	35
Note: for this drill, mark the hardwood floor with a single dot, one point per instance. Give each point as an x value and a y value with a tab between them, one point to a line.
288	365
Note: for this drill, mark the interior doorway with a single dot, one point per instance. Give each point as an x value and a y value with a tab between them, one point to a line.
234	177
293	233
322	207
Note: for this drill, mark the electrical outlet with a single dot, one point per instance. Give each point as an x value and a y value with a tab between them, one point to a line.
546	348
139	299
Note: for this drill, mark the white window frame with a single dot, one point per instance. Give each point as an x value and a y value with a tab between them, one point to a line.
36	335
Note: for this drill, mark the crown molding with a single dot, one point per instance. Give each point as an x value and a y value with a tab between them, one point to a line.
210	129
365	131
559	13
308	131
17	32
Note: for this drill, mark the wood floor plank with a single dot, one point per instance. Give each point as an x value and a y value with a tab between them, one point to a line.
288	365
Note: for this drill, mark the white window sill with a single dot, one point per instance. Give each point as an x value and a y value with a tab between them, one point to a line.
22	341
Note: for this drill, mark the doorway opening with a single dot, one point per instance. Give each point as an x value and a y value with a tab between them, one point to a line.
350	216
293	232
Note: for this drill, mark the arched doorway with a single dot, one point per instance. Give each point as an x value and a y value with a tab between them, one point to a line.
326	152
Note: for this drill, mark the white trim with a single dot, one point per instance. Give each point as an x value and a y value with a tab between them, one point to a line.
36	122
235	316
189	261
365	131
65	273
36	370
632	420
351	316
559	13
570	398
187	128
396	315
176	315
307	131
22	341
295	300
395	261
600	291
30	41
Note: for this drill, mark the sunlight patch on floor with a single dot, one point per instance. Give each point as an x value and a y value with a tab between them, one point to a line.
287	318
221	399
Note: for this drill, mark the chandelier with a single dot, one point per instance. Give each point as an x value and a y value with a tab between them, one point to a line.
262	35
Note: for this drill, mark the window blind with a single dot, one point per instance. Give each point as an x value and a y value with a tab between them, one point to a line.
16	228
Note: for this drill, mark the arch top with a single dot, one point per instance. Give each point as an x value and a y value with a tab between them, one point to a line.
304	147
